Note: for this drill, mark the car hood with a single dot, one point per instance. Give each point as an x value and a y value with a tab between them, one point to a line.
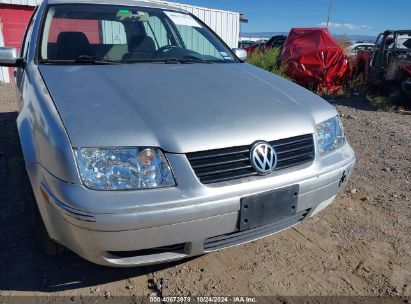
179	107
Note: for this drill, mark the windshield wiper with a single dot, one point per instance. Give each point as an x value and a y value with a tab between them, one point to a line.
185	60
82	59
142	61
95	60
166	61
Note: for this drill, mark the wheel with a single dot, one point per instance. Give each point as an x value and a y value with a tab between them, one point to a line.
47	245
396	96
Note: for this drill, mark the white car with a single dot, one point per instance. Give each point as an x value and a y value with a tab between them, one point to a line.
353	49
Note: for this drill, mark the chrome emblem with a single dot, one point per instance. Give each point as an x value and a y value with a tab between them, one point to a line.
263	157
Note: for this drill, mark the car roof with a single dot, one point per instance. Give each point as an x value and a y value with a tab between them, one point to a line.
140	3
397	32
351	46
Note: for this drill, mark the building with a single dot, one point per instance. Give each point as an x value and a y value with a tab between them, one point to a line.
15	14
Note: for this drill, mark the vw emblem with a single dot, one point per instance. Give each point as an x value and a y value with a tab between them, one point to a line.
263	157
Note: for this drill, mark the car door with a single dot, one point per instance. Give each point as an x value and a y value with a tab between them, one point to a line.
376	58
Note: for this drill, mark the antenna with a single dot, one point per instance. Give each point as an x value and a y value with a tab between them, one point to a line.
329	13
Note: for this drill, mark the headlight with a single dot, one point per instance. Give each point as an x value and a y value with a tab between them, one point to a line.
123	168
329	135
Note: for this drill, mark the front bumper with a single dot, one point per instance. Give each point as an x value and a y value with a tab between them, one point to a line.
128	228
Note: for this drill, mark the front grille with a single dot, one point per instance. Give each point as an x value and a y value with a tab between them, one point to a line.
219	165
236	238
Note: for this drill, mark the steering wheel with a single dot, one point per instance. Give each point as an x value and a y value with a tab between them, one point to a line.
165	49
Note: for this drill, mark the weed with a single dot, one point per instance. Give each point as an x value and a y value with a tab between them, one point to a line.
382	103
358	84
269	61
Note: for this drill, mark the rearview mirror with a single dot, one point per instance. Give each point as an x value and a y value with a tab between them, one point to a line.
8	57
241	54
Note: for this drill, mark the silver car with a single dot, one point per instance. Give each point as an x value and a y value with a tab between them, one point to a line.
146	139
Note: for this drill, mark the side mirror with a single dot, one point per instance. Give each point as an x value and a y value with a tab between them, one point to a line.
8	57
241	54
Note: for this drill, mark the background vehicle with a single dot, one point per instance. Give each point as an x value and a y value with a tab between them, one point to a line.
276	41
256	47
245	44
388	64
352	50
313	59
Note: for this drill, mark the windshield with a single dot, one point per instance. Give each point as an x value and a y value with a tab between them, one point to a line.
103	33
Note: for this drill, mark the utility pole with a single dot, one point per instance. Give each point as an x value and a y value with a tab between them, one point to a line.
329	13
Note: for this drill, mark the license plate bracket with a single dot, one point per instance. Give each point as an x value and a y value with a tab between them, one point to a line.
268	207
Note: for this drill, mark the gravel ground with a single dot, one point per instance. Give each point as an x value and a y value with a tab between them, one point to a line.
360	246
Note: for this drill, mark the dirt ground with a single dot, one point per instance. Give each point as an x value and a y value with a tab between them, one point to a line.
360	246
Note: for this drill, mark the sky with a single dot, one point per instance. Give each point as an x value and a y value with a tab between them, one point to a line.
363	17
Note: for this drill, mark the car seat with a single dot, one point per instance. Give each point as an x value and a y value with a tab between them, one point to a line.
71	45
140	47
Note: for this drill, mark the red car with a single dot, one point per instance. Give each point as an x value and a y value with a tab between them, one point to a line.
256	47
312	57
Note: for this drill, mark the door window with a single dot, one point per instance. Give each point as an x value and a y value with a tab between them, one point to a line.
195	41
